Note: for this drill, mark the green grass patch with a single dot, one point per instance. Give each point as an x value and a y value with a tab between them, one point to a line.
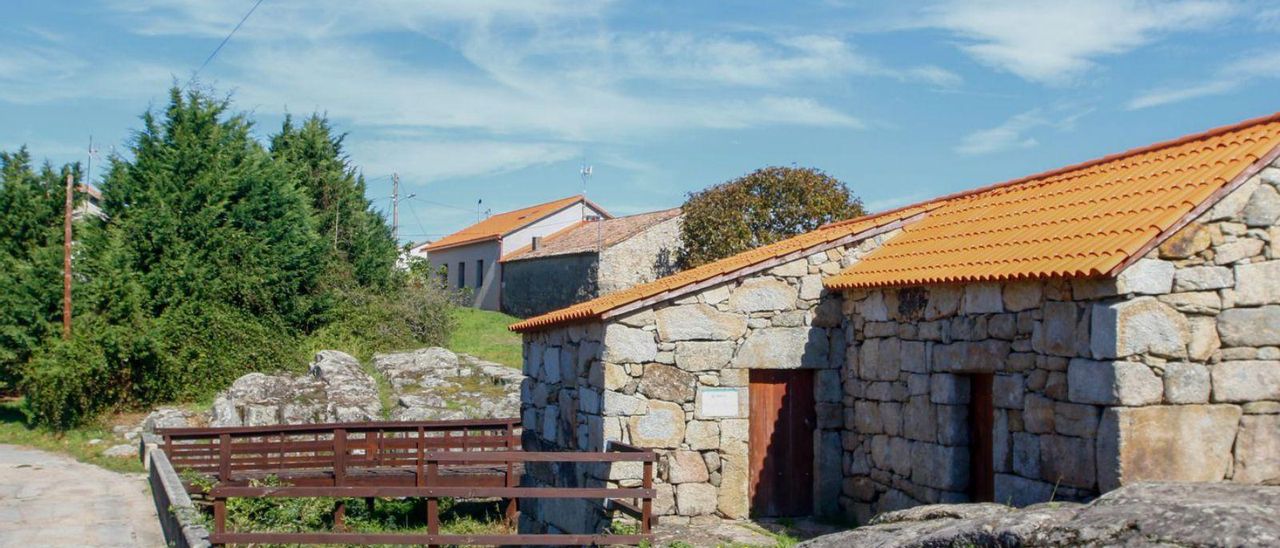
16	429
483	334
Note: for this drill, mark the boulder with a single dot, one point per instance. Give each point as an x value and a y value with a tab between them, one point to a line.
1150	514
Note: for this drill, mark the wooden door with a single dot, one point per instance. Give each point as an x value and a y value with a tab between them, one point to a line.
981	438
783	419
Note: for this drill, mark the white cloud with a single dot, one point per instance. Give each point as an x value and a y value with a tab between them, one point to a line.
1229	78
428	162
1055	42
33	74
1015	133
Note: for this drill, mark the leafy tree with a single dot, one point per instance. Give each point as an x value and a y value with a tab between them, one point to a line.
361	249
31	210
760	208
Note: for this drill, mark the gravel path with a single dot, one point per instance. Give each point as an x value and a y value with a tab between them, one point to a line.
47	499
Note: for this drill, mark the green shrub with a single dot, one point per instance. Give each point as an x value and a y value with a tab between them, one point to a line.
366	322
67	383
201	347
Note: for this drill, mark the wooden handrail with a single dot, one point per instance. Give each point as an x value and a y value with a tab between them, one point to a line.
213	431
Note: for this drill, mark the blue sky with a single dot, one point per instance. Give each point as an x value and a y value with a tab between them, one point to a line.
504	101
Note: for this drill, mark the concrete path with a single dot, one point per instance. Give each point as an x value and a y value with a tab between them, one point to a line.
47	499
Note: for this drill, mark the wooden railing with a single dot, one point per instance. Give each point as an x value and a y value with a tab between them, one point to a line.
429	460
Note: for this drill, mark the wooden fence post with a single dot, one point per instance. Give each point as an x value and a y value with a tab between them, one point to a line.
224	458
646	506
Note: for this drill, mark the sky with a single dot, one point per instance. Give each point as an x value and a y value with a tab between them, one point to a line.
481	105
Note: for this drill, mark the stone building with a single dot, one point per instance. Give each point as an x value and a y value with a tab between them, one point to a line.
469	259
1055	336
589	259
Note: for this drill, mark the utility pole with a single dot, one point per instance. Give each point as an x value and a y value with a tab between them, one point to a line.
395	208
66	259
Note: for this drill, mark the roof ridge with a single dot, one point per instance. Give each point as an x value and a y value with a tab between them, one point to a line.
1213	132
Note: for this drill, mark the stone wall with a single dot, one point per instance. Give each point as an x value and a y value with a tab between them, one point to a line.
642	258
1167	372
638	378
536	286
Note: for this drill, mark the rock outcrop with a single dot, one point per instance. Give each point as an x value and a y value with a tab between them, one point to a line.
335	389
1144	514
426	384
434	383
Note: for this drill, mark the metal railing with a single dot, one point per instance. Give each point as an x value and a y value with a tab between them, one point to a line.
429	460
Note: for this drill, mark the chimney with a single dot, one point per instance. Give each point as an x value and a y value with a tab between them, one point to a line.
536	243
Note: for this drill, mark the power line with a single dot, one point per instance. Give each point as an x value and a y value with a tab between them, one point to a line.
223	43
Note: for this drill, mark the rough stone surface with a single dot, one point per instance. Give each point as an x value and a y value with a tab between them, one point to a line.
761	294
695	499
1186	382
629	345
783	347
335	389
1152	514
1258	283
1250	326
1200	278
1245	381
698	322
1165	442
665	382
1258	450
662	426
686	467
1135	326
1112	383
1263	207
1146	277
703	356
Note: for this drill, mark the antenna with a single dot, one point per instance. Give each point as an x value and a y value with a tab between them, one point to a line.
585	172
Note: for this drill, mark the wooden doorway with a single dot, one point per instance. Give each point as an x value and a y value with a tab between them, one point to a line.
981	440
783	420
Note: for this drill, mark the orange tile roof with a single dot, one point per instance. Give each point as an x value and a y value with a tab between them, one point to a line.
1085	220
588	236
689	279
499	225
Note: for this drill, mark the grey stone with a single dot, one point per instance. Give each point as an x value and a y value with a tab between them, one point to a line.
920	420
1230	206
702	435
686	467
1037	416
1199	302
1019	296
1201	278
703	356
1263	207
662	426
982	298
1245	381
699	322
1149	514
762	294
1007	391
1204	339
618	404
1258	283
1146	277
1237	250
783	348
1056	334
940	466
121	451
1137	326
628	345
1068	461
1257	450
696	499
873	308
944	301
1026	454
1250	326
949	389
1186	382
665	382
1073	419
810	287
1112	383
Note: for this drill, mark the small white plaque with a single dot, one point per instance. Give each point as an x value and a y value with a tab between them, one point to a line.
719	402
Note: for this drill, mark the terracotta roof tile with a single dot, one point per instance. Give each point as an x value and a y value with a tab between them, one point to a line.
501	224
587	236
1080	221
595	308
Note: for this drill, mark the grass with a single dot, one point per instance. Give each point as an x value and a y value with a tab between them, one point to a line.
483	334
16	429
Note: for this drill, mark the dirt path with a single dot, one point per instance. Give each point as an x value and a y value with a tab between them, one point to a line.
48	499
